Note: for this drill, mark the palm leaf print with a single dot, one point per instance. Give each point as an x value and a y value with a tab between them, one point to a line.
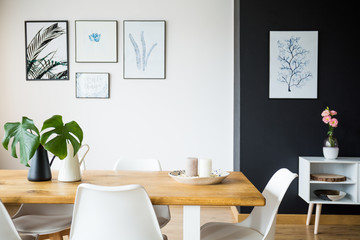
44	68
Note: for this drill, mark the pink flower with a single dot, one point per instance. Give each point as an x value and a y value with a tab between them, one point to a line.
333	122
325	113
333	112
326	119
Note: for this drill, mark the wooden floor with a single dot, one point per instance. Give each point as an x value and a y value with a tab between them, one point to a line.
283	231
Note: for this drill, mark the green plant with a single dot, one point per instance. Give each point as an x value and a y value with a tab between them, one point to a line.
54	137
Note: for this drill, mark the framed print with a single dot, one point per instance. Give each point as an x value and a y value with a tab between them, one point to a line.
92	85
144	49
293	64
95	41
46	44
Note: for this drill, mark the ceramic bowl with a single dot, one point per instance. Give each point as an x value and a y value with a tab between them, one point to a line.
216	177
329	195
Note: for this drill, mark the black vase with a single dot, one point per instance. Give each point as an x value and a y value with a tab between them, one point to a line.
39	166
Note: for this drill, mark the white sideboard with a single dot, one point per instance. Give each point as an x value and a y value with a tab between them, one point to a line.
347	166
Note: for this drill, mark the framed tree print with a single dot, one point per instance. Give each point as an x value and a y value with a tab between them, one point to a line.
46	50
96	41
293	64
144	49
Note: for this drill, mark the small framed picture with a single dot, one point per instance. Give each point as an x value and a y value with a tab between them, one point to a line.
144	49
293	65
92	85
46	45
96	41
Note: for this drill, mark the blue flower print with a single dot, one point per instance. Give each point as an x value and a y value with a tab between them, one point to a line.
95	37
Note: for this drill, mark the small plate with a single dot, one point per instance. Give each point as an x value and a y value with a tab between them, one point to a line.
216	177
330	195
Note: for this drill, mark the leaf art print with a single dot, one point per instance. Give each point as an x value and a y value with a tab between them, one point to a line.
46	50
141	59
144	49
293	64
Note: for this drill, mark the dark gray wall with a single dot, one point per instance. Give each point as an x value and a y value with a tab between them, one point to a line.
273	133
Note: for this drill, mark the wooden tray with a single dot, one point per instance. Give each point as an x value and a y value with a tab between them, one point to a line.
327	177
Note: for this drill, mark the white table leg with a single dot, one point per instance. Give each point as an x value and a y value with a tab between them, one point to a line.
317	218
310	210
191	223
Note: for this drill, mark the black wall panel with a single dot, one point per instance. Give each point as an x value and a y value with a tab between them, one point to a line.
273	133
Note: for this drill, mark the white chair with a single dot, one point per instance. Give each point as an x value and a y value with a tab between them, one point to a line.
260	224
149	164
43	219
7	228
108	212
53	220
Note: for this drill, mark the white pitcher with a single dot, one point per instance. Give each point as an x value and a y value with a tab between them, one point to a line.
70	169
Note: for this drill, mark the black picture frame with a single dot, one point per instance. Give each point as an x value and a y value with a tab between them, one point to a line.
46	50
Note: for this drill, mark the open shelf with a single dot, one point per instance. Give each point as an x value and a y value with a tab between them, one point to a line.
345	200
348	167
348	181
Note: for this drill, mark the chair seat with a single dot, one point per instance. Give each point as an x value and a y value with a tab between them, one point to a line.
41	224
28	236
162	221
228	231
162	214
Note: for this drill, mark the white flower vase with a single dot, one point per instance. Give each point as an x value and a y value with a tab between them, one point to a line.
331	148
70	169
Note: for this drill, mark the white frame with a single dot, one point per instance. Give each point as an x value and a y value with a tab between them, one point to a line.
144	49
92	85
300	80
104	49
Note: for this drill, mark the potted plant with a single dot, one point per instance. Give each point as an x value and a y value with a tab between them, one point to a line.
53	137
330	147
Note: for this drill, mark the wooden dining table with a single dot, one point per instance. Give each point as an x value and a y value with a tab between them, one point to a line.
235	190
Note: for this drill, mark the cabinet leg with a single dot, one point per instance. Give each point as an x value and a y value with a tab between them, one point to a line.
310	210
317	218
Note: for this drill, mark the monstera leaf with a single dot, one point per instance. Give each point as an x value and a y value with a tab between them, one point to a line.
60	135
28	141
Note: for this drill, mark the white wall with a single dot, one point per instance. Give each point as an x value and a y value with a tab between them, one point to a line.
190	113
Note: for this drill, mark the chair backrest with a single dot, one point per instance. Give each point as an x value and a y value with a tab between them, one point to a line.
147	164
108	212
263	219
7	228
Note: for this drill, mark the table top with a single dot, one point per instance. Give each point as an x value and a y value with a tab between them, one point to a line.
235	190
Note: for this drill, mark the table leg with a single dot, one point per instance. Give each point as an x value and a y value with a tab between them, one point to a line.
317	218
310	210
191	223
